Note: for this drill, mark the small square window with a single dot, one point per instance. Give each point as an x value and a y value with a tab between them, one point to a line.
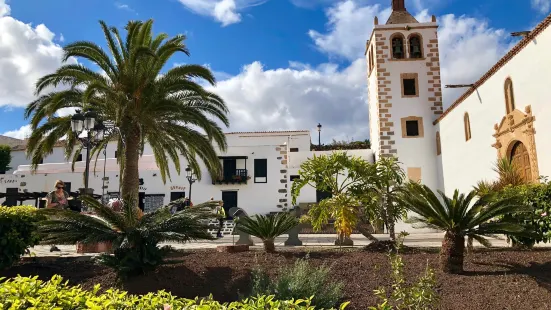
116	154
412	128
409	87
79	158
294	177
293	149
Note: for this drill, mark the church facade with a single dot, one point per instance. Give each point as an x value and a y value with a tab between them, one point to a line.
496	116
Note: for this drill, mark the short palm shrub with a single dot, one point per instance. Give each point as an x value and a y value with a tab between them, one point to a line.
18	232
461	216
267	227
135	236
300	281
31	293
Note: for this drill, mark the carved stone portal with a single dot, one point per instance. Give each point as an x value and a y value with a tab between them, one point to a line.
518	127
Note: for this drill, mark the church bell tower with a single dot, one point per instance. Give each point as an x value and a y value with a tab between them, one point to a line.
405	92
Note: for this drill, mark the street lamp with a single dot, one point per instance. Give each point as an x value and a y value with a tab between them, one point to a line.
190	176
319	134
94	133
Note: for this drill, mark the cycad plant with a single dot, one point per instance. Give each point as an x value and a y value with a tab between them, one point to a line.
167	108
134	235
267	227
460	216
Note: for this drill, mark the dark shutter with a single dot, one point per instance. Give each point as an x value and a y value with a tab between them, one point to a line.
409	87
261	170
412	128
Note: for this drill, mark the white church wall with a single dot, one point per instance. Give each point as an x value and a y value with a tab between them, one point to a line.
466	162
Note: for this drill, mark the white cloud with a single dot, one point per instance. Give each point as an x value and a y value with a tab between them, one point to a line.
543	6
125	7
61	38
298	98
22	133
462	40
349	27
224	11
4	8
26	54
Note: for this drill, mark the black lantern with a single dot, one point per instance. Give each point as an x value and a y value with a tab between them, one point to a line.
319	134
191	179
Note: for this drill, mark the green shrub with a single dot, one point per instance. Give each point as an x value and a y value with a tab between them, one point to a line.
419	296
27	293
300	281
538	198
18	232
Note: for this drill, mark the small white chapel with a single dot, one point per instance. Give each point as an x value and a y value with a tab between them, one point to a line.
495	117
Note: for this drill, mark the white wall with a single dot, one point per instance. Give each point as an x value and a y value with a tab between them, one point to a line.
252	197
466	162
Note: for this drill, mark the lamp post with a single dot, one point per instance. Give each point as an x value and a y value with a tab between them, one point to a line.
319	134
190	176
94	133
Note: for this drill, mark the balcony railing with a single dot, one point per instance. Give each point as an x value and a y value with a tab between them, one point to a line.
239	177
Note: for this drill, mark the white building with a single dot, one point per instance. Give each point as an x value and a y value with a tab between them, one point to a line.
456	148
258	169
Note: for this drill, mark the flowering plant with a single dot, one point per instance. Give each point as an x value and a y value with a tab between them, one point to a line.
115	204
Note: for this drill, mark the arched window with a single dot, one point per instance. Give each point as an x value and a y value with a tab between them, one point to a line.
467	122
509	96
438	145
397	44
415	46
372	58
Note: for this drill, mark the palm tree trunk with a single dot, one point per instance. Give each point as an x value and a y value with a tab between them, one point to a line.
366	230
269	245
452	252
131	174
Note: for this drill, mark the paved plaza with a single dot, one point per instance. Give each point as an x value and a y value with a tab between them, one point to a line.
425	240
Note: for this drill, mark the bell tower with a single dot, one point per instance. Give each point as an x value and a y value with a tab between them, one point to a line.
405	92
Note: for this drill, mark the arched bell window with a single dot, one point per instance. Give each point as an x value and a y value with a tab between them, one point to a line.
509	96
398	48
415	46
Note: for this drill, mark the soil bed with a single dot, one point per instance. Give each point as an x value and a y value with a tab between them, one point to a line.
494	279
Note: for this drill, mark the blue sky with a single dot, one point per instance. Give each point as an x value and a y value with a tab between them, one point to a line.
282	64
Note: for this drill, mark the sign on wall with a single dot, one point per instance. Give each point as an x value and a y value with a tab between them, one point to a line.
177	188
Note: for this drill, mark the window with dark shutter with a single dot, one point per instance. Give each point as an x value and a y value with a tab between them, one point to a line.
261	170
294	177
412	128
293	149
409	87
79	158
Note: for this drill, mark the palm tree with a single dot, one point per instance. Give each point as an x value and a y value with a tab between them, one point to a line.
135	236
170	111
459	216
267	228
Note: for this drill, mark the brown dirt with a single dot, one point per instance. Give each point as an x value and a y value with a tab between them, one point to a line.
496	279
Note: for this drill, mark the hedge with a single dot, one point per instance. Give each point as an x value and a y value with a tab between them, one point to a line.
538	198
26	292
18	232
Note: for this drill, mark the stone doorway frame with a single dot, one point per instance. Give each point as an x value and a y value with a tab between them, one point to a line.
517	126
